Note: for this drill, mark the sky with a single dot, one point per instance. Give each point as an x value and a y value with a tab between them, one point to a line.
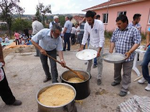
60	6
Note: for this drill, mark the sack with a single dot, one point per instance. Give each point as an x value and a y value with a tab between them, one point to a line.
1	74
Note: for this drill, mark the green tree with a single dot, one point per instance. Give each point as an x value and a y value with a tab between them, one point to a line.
43	10
62	20
38	14
7	9
21	24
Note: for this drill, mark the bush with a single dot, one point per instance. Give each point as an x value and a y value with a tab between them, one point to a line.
143	36
108	34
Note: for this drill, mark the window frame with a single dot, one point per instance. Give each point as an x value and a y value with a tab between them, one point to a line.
105	21
149	19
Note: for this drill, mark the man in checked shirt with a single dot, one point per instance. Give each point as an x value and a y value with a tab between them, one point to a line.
125	40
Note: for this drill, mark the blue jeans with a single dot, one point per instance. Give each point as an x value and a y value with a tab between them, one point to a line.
145	63
95	61
67	41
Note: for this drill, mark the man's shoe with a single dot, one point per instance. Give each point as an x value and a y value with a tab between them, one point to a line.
115	83
141	81
17	103
99	82
46	79
122	93
147	88
94	66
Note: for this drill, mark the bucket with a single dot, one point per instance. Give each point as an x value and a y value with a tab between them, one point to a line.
82	88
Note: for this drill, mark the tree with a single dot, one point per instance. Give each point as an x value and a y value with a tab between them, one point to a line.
21	24
7	9
38	14
43	10
62	20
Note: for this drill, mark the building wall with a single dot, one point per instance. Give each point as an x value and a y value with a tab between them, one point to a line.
140	7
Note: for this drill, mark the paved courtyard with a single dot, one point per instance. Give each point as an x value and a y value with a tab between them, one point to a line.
25	76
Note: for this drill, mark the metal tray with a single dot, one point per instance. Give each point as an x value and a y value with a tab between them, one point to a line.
114	57
86	54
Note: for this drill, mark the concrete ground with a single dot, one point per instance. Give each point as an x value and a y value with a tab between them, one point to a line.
25	76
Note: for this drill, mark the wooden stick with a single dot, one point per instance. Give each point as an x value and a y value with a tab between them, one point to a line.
138	78
79	75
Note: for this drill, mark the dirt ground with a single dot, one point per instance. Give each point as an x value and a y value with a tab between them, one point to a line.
25	76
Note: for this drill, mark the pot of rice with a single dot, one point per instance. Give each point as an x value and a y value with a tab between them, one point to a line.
57	97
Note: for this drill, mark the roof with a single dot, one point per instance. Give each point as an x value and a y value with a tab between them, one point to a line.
112	3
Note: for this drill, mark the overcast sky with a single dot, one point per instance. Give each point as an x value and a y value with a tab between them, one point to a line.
60	6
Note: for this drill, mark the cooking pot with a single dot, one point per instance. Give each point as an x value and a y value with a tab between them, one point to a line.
69	107
82	88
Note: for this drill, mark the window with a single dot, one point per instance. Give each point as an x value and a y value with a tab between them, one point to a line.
122	13
105	18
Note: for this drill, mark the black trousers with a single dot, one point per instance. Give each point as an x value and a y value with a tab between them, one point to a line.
44	61
37	51
73	39
67	41
5	91
17	41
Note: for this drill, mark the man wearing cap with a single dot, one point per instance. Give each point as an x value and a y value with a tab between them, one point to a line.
36	27
56	21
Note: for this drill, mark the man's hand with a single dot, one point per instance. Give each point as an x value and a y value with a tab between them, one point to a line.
80	49
127	54
146	46
98	54
42	51
110	51
63	64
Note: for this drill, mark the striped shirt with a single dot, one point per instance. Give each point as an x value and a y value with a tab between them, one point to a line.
124	40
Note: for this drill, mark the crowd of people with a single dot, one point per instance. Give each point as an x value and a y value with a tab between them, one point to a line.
4	39
125	40
23	38
50	41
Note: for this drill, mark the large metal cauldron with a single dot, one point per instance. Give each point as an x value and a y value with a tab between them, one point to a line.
70	107
82	89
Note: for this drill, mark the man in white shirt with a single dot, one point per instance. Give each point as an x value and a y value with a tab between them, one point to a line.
36	27
96	31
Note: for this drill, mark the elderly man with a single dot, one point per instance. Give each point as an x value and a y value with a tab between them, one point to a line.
96	31
36	27
56	21
125	40
50	42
